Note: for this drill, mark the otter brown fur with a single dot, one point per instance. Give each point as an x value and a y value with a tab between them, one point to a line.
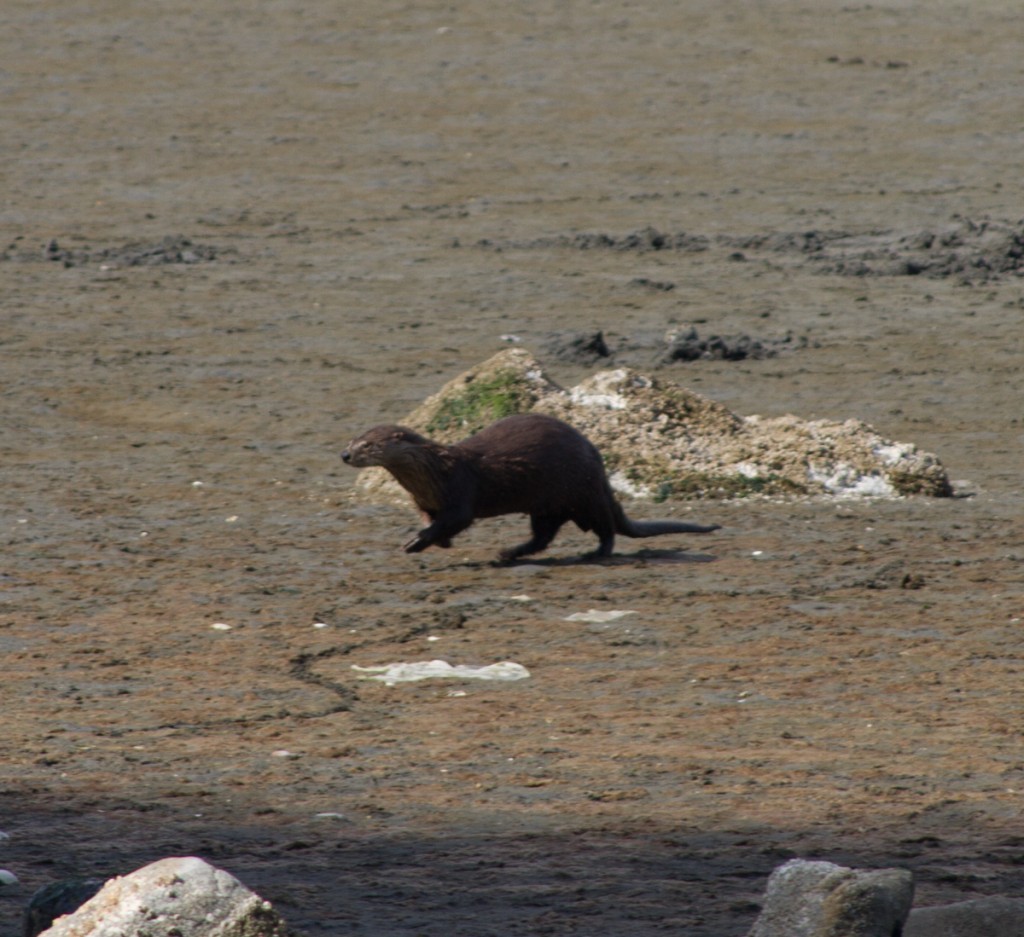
527	463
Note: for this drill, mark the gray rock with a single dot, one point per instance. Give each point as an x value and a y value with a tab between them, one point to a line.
56	899
179	897
982	917
821	899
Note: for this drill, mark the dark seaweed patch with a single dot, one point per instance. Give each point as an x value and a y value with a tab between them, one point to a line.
173	249
965	248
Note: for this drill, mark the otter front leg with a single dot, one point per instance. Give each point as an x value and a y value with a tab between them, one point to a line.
428	518
439	533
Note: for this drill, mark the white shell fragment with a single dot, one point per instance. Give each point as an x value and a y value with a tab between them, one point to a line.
431	669
596	616
8	878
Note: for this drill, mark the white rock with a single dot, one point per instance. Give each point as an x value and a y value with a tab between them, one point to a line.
177	897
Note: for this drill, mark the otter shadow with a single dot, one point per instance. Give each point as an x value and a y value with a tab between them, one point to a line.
637	558
646	555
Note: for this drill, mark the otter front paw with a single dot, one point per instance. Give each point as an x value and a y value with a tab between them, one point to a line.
416	545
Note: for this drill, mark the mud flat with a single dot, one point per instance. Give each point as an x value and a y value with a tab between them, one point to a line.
232	239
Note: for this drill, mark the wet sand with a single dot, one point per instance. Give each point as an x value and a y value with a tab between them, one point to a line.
234	238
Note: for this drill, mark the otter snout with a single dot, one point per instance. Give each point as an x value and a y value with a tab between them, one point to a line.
379	446
357	454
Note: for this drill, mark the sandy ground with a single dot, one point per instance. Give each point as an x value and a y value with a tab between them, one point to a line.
236	235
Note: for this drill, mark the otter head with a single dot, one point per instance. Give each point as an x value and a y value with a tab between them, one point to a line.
389	446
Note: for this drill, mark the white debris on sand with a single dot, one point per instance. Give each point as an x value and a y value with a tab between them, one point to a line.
390	674
596	616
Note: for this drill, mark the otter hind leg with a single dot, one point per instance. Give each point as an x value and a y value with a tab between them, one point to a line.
605	548
544	528
605	530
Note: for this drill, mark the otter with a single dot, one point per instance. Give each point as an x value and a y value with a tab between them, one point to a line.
523	464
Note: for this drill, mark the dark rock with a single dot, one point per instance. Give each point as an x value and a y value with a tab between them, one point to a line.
168	250
57	254
58	898
970	250
663	286
578	347
644	240
982	917
173	249
689	346
892	576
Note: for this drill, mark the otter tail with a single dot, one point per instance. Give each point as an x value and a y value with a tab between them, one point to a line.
630	528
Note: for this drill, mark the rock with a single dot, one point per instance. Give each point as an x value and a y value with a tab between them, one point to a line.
821	899
662	441
511	381
177	897
56	899
991	917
